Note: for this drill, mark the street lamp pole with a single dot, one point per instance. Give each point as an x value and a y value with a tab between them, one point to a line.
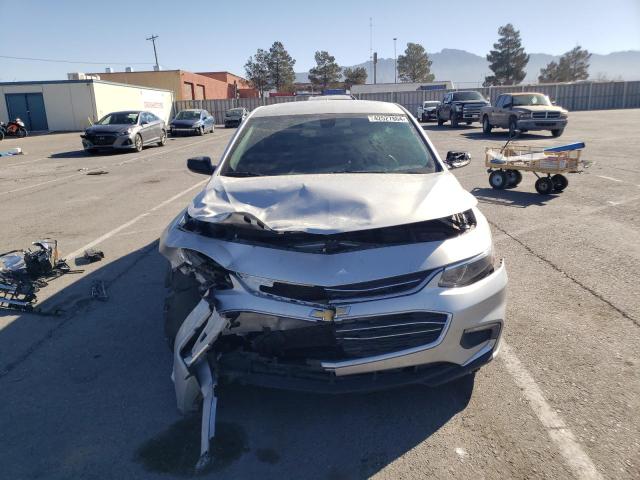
395	62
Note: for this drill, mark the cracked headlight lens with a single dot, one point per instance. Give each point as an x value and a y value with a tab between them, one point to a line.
467	272
211	273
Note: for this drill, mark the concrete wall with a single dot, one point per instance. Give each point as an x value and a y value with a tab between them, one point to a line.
111	98
68	106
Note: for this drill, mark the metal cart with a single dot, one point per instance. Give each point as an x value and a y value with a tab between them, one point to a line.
506	164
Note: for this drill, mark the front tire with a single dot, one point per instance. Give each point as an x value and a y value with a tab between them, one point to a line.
513	127
514	177
556	133
163	139
453	118
182	296
544	186
137	143
486	126
560	182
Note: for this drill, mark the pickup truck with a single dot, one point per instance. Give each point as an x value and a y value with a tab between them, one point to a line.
522	112
459	107
427	111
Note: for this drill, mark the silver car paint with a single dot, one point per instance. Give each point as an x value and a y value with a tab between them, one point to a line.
277	201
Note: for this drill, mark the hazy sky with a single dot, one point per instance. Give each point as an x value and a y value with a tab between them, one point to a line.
213	35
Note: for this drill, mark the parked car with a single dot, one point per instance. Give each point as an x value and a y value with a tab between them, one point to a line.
194	121
129	130
523	112
235	116
459	107
427	111
331	250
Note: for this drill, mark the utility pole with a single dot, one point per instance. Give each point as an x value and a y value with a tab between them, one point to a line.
375	67
155	53
395	62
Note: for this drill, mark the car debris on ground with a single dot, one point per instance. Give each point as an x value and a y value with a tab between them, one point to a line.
11	152
24	272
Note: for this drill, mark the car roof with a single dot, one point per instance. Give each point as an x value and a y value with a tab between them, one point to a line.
127	111
192	110
309	108
331	97
518	94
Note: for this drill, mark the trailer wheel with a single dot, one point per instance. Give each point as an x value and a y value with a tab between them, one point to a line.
498	179
514	177
560	182
544	186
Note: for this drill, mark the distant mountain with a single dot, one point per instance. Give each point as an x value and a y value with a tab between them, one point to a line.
467	69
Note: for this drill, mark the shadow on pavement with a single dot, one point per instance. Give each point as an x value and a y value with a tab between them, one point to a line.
88	395
82	154
446	127
510	198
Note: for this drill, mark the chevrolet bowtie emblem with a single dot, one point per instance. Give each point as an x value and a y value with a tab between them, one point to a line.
330	314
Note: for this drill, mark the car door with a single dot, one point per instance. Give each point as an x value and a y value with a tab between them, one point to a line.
145	127
206	120
505	111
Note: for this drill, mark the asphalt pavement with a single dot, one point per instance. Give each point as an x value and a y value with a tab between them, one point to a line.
86	393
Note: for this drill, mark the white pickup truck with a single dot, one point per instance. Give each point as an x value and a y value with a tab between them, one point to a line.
427	111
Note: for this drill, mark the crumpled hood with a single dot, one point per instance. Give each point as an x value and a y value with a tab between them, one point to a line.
333	203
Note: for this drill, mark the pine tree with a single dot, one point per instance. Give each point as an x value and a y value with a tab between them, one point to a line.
280	66
414	65
257	71
326	72
572	66
508	59
354	76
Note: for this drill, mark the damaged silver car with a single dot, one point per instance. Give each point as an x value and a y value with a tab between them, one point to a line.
331	251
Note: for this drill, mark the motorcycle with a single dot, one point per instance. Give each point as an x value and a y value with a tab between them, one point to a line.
13	129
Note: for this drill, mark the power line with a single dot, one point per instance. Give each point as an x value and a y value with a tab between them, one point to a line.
73	61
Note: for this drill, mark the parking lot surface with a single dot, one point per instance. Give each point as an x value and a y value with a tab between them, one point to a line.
87	394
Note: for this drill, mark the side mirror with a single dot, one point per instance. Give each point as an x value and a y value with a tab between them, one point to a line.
201	165
553	102
457	159
144	122
508	105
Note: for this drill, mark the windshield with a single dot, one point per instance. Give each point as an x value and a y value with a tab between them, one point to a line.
188	115
119	118
234	112
532	99
467	96
330	143
431	104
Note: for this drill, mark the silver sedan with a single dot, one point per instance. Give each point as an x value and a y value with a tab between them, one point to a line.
129	130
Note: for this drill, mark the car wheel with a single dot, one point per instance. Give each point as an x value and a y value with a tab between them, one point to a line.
560	182
137	143
513	127
163	139
182	296
201	131
557	132
440	121
453	118
498	179
544	186
514	177
486	126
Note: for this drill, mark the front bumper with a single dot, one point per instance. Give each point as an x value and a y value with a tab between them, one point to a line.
183	130
542	124
108	142
232	123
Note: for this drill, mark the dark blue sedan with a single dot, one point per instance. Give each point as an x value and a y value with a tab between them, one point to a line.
193	121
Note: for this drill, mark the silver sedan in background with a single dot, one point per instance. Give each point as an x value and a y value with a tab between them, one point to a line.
128	130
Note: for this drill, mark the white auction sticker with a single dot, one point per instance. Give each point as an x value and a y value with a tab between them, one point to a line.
388	118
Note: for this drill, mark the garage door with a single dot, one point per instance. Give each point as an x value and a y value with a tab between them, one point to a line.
29	107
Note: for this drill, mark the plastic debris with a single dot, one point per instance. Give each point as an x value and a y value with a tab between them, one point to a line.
93	255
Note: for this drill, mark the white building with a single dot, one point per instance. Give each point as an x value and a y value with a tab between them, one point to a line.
71	105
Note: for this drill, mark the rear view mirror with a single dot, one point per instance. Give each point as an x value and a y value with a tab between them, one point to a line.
201	165
457	159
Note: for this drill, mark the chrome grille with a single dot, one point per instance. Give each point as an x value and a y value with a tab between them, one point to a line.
105	139
471	110
402	284
351	338
545	115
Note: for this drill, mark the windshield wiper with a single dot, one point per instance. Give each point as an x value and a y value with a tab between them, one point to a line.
241	174
346	170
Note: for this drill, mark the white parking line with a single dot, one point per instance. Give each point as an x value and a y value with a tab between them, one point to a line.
609	178
116	230
575	457
59	179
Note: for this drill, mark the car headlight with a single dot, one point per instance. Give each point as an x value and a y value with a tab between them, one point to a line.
457	108
525	115
207	271
126	132
467	272
564	114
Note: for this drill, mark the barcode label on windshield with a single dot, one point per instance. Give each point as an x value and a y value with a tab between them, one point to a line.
388	118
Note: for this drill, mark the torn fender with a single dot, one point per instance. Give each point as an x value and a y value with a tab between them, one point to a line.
205	322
